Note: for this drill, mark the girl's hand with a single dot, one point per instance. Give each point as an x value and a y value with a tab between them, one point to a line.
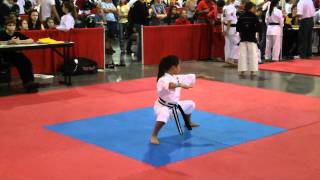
185	86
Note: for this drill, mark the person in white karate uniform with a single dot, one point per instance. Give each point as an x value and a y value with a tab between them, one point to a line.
232	39
169	86
275	23
68	20
248	26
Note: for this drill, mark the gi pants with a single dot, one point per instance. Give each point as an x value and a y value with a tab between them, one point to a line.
249	59
273	47
164	113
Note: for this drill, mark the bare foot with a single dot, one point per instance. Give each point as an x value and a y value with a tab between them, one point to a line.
154	140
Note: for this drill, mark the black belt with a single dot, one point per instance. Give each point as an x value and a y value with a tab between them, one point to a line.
274	24
175	107
231	25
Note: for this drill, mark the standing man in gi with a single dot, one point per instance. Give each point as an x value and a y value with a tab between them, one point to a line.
232	39
306	13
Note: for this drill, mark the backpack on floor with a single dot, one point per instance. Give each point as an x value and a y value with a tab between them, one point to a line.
81	65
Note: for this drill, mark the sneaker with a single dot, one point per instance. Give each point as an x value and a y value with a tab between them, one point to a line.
129	52
110	66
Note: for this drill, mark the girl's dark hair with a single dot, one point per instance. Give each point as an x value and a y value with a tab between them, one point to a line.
273	4
166	63
46	23
11	19
68	5
249	5
38	23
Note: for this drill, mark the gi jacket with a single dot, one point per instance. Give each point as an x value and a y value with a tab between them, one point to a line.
248	25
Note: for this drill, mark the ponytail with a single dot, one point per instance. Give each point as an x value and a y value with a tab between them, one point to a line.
166	63
273	4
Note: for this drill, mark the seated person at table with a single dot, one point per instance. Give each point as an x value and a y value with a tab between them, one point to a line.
18	59
34	21
183	18
290	34
68	20
49	24
23	24
173	15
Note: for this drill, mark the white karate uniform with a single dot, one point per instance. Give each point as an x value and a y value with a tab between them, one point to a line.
249	57
274	34
66	23
232	38
164	113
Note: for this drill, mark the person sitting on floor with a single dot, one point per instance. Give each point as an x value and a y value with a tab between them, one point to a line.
24	66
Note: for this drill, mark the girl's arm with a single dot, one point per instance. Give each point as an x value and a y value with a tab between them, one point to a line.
174	86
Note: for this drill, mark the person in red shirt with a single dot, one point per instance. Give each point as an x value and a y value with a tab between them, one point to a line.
183	18
204	8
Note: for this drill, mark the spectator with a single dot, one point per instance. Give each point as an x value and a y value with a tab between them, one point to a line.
4	11
67	20
159	13
34	21
48	9
173	15
288	6
123	11
23	24
10	36
290	34
14	8
183	18
203	9
306	13
109	10
49	24
275	22
191	6
138	17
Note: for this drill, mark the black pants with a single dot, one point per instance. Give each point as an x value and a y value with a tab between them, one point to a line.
289	43
305	37
23	65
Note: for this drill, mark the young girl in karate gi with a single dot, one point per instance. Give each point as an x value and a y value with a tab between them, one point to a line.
169	85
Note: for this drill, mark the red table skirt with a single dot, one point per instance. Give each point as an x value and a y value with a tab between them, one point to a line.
189	42
89	43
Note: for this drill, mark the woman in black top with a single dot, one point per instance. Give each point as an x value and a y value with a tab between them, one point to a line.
34	21
173	15
9	36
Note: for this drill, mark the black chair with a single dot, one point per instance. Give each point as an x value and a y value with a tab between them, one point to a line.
5	72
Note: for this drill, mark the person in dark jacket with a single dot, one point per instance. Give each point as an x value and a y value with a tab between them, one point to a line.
248	26
9	36
4	11
138	16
